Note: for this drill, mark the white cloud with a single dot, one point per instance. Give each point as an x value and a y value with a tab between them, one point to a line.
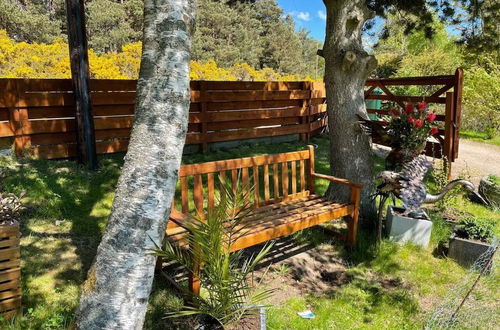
305	16
322	15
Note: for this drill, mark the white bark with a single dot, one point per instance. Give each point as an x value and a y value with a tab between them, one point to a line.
347	66
116	293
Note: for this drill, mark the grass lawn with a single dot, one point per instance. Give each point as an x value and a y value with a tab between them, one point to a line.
67	209
481	137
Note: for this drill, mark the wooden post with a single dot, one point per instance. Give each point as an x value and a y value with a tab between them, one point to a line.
310	179
457	103
353	221
449	131
18	115
77	40
203	110
305	113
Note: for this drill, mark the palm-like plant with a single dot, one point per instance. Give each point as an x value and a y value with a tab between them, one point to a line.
228	294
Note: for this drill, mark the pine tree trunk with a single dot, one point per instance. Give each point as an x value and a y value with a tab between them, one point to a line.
115	295
347	66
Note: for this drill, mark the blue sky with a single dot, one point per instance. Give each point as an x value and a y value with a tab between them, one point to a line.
309	14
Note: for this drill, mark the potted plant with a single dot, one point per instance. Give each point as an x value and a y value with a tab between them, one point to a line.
227	299
10	264
471	238
489	189
408	130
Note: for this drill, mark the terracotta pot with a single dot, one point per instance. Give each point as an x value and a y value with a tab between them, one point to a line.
10	271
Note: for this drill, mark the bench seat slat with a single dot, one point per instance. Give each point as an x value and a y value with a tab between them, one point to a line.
280	219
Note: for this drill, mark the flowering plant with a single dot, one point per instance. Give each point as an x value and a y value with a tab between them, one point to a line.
410	127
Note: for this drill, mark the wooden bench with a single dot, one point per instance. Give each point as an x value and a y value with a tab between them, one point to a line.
283	195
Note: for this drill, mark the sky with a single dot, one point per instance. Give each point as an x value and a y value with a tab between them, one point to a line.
309	14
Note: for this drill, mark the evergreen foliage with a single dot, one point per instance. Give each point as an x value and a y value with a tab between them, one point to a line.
230	32
414	54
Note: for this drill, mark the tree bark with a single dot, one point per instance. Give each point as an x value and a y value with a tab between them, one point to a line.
347	66
115	295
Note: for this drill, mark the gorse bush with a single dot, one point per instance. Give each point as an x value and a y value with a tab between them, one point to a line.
482	229
25	60
227	294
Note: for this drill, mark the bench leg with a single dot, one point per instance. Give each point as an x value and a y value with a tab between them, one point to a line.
353	223
194	281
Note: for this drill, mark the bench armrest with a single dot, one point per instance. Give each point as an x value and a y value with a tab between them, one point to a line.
180	219
337	180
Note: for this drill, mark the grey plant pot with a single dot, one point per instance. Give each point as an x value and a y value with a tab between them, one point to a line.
404	229
465	252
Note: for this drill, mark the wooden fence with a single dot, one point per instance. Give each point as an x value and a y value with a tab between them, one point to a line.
38	116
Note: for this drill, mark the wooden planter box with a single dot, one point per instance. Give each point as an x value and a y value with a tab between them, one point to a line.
402	228
10	271
464	251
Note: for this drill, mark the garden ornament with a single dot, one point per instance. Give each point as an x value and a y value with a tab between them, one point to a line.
408	185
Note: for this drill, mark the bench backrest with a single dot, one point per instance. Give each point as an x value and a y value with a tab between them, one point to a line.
274	178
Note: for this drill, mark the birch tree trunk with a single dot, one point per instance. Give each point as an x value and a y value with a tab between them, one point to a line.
115	295
347	66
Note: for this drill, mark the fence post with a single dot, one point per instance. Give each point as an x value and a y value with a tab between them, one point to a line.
306	110
449	131
203	111
18	116
457	114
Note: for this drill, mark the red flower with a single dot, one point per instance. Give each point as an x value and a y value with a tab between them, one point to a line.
411	120
434	130
419	123
394	113
422	105
409	108
431	117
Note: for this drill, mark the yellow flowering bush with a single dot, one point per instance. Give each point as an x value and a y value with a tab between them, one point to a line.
25	60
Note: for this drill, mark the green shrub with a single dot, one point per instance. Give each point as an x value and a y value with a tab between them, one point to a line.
482	229
495	179
225	275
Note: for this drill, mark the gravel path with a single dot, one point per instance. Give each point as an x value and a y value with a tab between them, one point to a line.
478	159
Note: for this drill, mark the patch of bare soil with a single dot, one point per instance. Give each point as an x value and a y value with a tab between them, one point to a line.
296	271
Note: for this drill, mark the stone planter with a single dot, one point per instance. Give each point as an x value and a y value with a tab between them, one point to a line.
464	251
490	191
10	271
403	229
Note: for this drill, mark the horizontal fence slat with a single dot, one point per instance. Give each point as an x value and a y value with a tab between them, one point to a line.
246	115
225	125
253	104
216	96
